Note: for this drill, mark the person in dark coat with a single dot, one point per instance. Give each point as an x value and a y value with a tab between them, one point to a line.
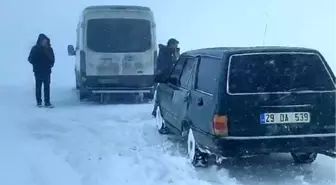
167	57
42	59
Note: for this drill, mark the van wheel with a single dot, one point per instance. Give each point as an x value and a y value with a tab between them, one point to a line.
76	80
104	98
195	156
161	123
83	94
140	98
149	96
304	158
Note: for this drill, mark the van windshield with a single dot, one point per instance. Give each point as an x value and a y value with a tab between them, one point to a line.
118	35
279	72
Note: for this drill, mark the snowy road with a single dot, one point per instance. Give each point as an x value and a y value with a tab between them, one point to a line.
91	144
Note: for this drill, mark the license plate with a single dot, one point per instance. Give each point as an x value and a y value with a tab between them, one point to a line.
285	117
108	81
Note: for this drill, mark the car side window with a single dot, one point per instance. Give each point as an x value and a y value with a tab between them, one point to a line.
186	73
177	70
207	74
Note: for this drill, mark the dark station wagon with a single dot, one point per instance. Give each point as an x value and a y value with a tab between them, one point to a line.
235	102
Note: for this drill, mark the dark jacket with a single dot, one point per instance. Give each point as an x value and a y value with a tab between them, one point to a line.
42	58
165	60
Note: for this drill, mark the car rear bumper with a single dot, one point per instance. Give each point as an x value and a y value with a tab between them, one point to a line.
240	146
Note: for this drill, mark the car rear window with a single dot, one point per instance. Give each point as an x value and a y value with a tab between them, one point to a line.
278	72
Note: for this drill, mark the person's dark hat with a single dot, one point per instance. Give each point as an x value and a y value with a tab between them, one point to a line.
172	41
42	36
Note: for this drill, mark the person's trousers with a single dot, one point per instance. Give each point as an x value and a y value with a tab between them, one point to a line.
42	79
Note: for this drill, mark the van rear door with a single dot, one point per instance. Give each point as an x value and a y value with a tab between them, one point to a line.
272	94
119	46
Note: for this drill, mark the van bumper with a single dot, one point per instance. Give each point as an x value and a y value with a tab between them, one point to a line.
236	146
119	84
120	91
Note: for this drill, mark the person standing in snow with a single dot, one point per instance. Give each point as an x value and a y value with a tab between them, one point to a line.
42	59
168	55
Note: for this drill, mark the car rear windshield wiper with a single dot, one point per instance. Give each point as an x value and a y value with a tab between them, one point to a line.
298	89
318	88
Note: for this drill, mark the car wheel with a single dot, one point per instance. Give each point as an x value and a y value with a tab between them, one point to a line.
304	158
161	123
195	156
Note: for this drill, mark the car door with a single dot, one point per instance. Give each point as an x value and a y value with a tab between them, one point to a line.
166	90
181	94
202	104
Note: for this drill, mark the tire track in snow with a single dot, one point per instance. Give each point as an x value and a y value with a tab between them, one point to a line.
105	145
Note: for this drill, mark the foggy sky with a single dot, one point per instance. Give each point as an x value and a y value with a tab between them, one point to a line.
196	24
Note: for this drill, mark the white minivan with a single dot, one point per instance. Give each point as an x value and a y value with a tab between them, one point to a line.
115	51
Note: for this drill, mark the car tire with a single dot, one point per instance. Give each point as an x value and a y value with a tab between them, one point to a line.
161	123
304	158
195	156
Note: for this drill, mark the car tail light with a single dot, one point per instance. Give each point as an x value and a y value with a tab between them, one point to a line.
220	125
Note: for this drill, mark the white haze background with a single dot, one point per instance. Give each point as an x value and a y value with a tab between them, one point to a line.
196	24
117	144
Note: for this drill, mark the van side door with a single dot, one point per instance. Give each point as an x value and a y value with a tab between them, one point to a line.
181	95
202	104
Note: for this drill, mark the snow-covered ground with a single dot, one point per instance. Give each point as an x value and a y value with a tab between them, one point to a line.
88	144
91	144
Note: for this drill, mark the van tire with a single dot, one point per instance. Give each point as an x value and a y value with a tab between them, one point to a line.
149	96
76	80
83	94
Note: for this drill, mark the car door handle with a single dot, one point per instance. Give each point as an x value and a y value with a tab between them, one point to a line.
200	101
186	97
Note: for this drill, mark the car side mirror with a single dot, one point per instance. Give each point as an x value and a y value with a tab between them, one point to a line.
71	50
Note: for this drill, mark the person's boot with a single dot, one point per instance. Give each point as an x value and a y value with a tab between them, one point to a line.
154	113
39	104
48	105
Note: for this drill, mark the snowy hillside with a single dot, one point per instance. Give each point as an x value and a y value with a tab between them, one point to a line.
91	144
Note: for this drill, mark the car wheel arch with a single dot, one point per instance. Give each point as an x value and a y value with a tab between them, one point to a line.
186	124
